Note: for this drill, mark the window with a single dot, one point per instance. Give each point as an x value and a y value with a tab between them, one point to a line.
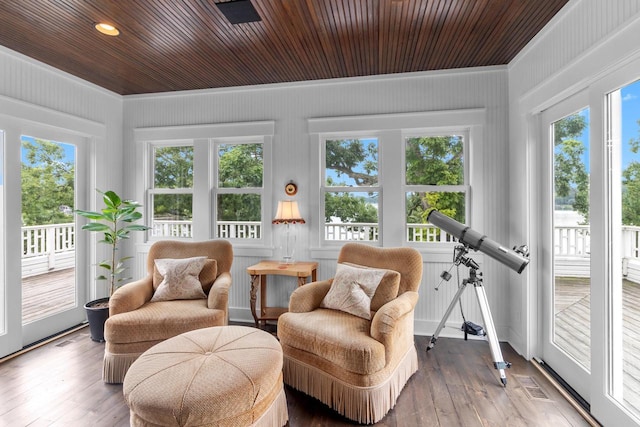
378	176
435	178
351	189
171	196
239	189
208	181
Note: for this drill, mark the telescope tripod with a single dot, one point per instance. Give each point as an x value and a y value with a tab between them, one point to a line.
481	295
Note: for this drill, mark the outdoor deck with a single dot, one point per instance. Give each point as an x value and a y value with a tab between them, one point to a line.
573	331
46	294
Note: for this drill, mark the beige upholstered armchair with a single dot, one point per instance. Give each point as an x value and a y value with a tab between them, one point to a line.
187	288
355	365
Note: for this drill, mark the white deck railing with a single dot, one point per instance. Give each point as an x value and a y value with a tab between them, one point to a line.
226	229
48	244
46	240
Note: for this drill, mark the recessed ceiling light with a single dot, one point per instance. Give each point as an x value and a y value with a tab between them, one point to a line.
107	29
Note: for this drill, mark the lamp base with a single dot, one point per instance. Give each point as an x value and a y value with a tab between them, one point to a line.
287	260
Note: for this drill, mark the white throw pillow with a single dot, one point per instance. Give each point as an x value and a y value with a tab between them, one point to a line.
180	279
352	290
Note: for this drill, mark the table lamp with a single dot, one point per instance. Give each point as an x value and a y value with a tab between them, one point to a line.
288	213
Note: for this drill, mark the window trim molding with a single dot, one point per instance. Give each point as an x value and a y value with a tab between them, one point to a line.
202	137
390	130
431	120
205	131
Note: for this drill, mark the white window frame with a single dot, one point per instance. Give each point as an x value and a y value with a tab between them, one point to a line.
465	187
152	191
324	189
216	189
202	137
391	130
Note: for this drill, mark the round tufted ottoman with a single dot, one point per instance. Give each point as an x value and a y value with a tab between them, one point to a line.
220	376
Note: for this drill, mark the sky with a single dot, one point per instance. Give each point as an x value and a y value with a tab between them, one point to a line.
630	115
69	149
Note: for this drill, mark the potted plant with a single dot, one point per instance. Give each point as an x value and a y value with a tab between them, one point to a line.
115	221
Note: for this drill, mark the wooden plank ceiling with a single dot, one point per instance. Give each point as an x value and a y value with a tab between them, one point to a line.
171	45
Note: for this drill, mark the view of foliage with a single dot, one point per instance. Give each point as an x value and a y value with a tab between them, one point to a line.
47	183
631	186
240	166
572	178
435	160
570	172
355	158
354	163
173	169
430	161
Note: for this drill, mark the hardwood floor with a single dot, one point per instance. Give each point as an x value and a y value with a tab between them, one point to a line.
59	384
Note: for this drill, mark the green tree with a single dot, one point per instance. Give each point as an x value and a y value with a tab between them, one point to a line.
435	160
47	183
173	167
349	207
570	173
631	186
353	158
355	162
173	170
240	166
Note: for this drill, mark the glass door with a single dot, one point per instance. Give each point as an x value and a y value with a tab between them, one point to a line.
10	336
52	299
567	287
623	290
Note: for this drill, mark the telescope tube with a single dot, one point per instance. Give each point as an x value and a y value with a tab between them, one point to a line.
478	241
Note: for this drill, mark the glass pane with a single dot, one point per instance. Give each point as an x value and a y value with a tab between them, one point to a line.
173	167
435	160
627	302
351	162
48	232
418	206
240	166
239	216
172	215
351	216
571	237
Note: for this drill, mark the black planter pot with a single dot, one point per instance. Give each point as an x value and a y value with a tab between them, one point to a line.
97	313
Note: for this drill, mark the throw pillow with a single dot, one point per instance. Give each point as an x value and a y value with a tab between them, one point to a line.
387	289
207	276
180	279
352	290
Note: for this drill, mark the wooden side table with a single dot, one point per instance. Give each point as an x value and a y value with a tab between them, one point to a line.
259	272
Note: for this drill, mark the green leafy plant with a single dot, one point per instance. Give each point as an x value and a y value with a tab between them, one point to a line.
116	222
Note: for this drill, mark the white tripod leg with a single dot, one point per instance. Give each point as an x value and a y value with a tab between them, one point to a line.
455	299
492	337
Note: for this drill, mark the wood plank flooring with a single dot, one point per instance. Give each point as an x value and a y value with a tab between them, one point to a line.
59	384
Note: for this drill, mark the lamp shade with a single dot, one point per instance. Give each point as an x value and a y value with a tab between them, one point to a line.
288	213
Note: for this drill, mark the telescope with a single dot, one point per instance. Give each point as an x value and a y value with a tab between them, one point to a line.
516	259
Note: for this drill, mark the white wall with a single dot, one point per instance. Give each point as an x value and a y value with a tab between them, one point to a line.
290	106
585	41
